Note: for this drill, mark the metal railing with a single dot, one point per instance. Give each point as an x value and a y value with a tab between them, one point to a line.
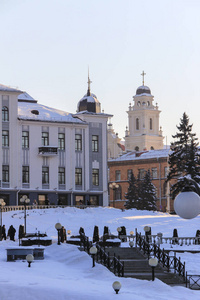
113	264
193	281
170	262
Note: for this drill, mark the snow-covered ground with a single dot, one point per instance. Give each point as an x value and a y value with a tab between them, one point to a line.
67	273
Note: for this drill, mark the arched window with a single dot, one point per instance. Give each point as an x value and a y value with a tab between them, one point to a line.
136	148
5	115
151	124
137	124
152	148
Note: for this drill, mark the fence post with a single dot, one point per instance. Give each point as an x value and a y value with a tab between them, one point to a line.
186	280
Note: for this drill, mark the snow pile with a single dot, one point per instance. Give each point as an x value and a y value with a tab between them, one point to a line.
67	274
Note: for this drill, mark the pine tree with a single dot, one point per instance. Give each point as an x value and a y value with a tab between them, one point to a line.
131	195
184	159
147	193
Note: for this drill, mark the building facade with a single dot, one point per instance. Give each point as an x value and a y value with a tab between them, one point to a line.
50	155
143	131
139	162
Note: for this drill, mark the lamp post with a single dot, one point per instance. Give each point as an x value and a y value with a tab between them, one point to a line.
147	231
93	252
114	186
2	204
58	226
29	259
25	200
116	286
187	203
153	262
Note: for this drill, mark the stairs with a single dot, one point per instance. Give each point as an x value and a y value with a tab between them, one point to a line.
136	265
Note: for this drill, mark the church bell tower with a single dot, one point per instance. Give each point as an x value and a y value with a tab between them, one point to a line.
143	132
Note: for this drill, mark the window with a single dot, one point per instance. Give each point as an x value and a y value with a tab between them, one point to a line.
5	138
95	176
138	103
61	175
45	175
25	174
5	115
137	124
61	141
78	176
94	200
78	142
141	173
129	173
137	148
151	124
25	139
154	173
95	143
152	148
5	173
45	138
165	189
117	175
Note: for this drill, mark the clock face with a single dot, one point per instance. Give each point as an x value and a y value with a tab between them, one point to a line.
138	103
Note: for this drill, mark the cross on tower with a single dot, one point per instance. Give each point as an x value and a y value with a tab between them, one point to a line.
143	74
89	81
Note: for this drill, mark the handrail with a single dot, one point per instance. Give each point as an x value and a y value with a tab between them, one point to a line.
161	255
103	257
193	281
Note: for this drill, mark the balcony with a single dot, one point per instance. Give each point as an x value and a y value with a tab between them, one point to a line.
47	151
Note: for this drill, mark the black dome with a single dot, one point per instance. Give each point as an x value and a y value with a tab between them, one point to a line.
143	90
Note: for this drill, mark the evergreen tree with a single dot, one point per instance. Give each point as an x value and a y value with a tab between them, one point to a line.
184	159
131	195
147	193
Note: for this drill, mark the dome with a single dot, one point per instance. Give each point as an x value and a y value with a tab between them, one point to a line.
143	90
89	103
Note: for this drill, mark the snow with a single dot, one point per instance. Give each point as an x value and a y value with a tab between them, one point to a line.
133	155
45	113
67	274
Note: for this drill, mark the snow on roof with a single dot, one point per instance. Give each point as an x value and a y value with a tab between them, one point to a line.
5	88
133	155
39	112
92	98
144	94
26	97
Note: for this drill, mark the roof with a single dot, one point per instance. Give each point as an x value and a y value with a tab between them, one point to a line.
5	88
26	97
39	112
133	155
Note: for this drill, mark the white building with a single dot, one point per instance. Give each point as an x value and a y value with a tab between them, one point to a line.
143	132
51	155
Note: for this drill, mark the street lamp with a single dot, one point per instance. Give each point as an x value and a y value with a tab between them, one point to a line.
114	186
58	226
147	232
153	262
187	203
29	259
116	286
93	252
2	204
25	200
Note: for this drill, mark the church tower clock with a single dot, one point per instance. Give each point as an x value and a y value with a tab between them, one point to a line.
143	132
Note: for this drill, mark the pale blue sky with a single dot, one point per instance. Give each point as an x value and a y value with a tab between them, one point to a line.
47	45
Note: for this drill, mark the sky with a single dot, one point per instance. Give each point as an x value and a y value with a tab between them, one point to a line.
66	273
47	47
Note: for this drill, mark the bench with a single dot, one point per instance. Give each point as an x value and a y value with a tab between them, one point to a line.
21	253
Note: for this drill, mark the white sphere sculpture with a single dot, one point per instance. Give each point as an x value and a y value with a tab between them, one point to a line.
187	205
